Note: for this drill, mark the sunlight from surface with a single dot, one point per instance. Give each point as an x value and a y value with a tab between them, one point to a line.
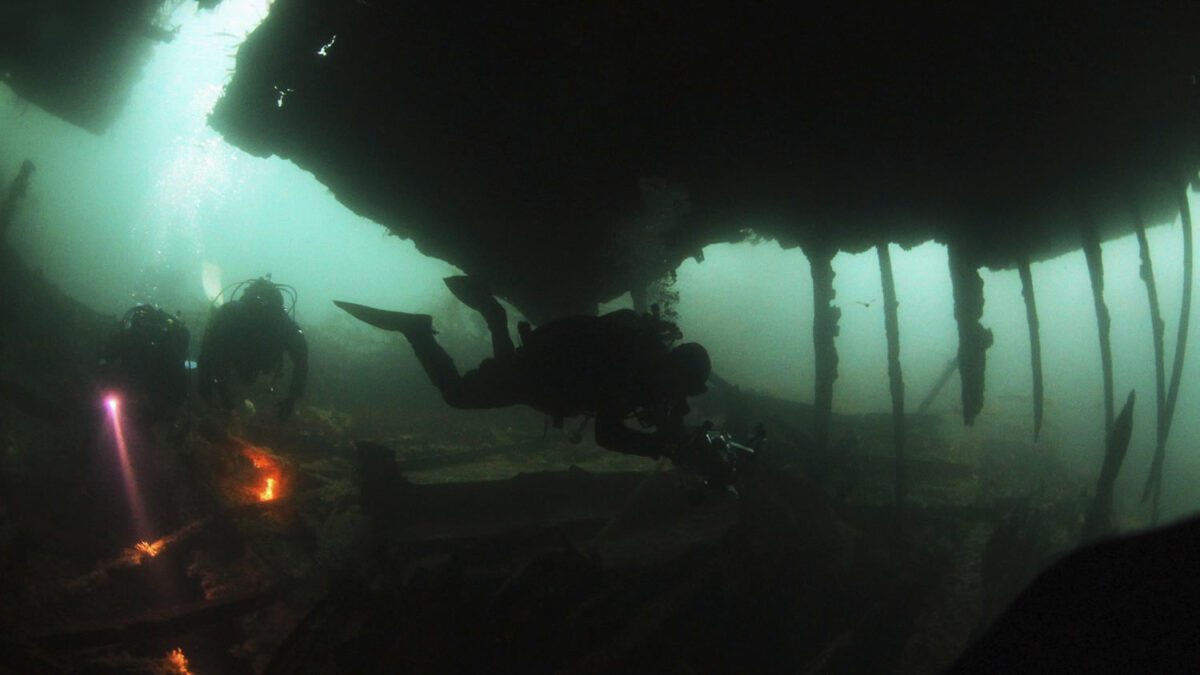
161	197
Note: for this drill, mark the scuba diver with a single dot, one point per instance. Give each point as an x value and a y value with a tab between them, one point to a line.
146	362
128	419
612	367
248	337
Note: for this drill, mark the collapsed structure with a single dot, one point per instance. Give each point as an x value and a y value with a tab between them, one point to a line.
570	153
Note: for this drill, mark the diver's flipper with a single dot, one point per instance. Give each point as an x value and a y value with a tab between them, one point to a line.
381	318
474	294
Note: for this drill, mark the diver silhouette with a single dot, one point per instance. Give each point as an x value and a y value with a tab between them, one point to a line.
612	367
145	361
248	337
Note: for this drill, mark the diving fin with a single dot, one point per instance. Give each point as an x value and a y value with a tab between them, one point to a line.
474	294
401	322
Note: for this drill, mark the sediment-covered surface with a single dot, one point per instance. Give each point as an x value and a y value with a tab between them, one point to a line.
398	534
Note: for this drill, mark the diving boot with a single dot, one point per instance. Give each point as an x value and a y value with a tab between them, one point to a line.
402	322
474	294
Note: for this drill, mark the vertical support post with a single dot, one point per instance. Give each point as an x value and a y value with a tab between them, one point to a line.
825	329
1158	329
1185	311
973	338
1035	343
891	326
1091	250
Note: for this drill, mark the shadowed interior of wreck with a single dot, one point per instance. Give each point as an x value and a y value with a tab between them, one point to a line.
568	154
841	127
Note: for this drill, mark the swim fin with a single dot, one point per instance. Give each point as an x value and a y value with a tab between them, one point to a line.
474	294
401	322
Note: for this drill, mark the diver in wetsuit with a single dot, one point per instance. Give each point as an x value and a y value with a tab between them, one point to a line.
248	337
613	367
146	362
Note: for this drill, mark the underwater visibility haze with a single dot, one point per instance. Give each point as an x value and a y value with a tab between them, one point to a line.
506	537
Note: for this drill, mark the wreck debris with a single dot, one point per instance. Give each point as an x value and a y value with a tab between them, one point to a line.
895	376
158	624
79	61
639	293
622	514
32	402
1160	377
178	661
938	385
379	484
574	137
1099	518
1035	343
1166	406
825	329
267	465
1185	306
106	570
973	338
20	186
1091	250
650	620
